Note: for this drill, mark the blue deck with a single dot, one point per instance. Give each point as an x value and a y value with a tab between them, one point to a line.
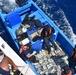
13	20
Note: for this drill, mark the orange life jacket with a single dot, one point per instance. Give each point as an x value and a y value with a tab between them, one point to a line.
23	48
67	74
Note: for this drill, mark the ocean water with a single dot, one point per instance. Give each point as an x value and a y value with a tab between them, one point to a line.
62	12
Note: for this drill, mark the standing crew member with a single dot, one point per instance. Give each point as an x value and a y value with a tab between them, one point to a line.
46	35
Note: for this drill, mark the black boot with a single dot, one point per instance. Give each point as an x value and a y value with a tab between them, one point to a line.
49	50
17	72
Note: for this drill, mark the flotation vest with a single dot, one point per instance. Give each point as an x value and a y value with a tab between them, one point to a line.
67	74
24	47
49	31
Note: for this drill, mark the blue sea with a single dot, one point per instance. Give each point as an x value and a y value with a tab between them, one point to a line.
63	14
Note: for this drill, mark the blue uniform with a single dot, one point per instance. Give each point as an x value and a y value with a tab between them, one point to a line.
26	52
3	72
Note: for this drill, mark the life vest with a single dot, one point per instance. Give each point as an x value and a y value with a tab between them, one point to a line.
24	47
74	53
49	31
67	74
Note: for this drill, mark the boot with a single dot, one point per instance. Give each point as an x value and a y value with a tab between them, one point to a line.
49	50
17	72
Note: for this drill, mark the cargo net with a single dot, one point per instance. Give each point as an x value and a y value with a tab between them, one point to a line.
51	63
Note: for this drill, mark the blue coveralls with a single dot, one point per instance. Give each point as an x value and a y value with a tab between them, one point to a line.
3	72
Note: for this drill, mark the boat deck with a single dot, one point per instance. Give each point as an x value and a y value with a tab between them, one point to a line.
51	63
48	63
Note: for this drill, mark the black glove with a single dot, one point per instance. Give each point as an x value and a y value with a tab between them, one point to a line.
17	72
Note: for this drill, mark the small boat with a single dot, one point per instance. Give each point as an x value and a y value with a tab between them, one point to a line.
52	63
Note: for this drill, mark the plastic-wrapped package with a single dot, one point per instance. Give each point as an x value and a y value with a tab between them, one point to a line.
51	64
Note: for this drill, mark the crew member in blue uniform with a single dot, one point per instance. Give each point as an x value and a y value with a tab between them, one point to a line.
27	53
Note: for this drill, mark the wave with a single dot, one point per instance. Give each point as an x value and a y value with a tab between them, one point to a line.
51	8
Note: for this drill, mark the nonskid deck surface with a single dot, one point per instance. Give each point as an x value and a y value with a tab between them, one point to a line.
51	63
